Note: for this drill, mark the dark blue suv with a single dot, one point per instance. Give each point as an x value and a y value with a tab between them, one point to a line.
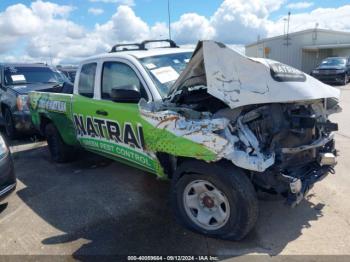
16	81
333	70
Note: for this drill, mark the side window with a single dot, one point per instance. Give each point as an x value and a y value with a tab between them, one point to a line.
116	75
87	80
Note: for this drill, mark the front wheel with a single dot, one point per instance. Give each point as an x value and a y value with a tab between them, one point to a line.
215	200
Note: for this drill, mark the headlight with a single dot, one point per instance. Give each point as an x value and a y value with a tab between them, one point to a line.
339	71
315	71
3	147
22	103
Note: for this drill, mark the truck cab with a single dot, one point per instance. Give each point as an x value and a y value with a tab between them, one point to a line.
110	86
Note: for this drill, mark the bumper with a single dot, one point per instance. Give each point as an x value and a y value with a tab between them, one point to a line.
299	187
338	78
303	179
23	122
7	177
302	171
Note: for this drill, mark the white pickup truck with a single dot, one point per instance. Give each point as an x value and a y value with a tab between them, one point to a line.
216	123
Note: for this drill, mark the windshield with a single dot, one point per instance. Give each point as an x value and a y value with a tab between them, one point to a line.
334	62
30	75
165	69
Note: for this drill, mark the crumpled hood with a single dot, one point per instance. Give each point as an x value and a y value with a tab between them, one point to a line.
238	80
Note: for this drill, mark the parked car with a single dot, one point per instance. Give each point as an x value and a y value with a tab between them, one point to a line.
68	71
333	70
7	173
16	80
202	120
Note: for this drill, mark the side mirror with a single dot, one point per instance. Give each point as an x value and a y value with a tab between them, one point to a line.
126	94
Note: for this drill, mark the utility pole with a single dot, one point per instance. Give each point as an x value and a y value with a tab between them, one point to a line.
169	19
284	26
288	22
287	34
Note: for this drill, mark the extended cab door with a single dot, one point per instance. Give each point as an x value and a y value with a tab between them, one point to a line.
113	129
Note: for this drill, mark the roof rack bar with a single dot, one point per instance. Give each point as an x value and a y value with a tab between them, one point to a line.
141	46
172	44
124	47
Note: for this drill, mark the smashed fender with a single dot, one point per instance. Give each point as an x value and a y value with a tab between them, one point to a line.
269	113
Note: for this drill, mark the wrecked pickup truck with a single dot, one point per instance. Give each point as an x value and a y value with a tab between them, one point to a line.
218	124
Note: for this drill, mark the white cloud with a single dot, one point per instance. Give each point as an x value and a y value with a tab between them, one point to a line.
234	15
327	18
159	31
300	5
48	10
121	2
44	29
95	11
192	27
126	26
18	20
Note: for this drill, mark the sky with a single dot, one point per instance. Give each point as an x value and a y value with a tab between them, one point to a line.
66	31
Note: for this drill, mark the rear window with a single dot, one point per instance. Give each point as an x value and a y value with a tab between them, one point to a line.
87	80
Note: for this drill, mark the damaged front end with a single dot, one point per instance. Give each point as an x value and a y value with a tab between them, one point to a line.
266	118
300	138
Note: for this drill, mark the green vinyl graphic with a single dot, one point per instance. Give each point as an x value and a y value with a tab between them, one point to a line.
115	130
56	108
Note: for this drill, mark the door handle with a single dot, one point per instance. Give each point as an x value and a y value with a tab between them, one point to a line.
102	112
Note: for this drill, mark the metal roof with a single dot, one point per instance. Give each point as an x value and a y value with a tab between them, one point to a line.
330	46
297	33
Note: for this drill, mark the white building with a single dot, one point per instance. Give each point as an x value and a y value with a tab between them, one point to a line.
304	49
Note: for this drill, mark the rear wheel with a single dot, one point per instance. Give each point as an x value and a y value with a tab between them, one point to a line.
10	128
60	152
215	200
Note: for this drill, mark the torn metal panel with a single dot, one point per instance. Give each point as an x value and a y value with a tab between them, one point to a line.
200	131
238	80
213	133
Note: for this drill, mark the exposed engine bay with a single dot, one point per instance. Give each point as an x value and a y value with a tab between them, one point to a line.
284	140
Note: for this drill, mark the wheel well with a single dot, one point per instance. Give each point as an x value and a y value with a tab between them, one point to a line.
44	121
191	165
170	162
3	108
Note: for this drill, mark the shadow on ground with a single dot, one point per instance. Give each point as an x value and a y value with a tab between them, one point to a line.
122	211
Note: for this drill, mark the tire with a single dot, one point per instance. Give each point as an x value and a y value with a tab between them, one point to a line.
346	79
10	128
232	199
60	152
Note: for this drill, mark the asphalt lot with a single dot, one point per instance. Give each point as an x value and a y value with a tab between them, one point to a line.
97	207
